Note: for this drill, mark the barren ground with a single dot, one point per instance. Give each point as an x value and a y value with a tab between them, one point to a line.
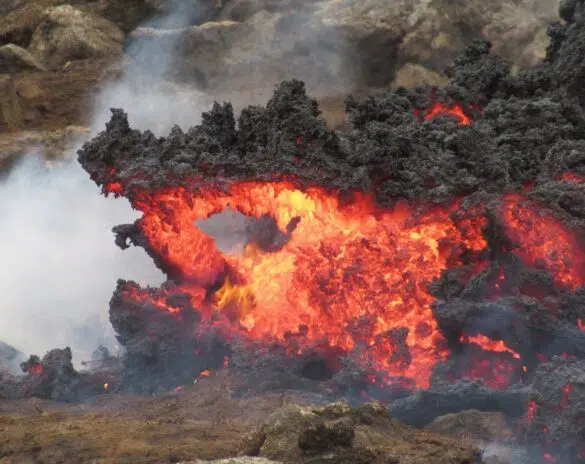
198	422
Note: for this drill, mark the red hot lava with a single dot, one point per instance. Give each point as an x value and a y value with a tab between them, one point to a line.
343	263
543	241
36	369
440	109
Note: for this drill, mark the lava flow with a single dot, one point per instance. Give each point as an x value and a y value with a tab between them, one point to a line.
456	111
552	245
340	276
349	275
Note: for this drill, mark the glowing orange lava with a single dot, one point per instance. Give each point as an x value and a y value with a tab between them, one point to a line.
36	369
488	344
546	242
352	275
571	177
439	109
114	187
348	276
160	298
495	373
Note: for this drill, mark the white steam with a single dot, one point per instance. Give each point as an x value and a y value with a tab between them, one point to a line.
59	262
151	102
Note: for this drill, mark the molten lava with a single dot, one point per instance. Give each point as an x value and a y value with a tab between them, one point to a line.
543	241
439	109
351	275
36	369
489	345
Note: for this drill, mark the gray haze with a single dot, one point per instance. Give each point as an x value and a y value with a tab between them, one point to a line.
59	261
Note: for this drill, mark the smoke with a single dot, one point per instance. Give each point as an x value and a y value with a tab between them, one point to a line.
510	453
227	62
59	261
152	103
59	264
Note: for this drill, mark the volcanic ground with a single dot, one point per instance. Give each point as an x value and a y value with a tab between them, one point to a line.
432	256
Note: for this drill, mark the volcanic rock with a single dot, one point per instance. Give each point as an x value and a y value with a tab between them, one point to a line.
52	377
421	408
337	433
66	33
435	32
196	53
340	46
397	155
566	48
388	138
19	19
494	160
225	57
473	425
126	14
554	417
14	58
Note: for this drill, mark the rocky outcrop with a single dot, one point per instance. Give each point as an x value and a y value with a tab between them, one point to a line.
14	59
342	47
48	101
66	33
479	426
19	19
435	31
340	434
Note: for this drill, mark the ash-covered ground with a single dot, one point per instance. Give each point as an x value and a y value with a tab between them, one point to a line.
507	150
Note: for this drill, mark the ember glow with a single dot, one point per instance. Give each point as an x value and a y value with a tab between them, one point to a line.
439	109
350	274
36	369
489	345
552	245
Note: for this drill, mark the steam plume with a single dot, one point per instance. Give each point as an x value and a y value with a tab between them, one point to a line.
58	262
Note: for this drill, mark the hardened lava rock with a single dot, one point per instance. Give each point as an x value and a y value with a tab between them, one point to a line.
520	122
162	351
53	377
555	417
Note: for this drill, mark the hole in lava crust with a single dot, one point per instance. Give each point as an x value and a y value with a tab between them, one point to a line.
436	253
